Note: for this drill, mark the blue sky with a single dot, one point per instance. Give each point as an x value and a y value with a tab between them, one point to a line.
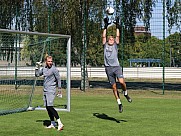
156	22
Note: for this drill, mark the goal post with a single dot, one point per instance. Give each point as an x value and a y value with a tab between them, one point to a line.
20	90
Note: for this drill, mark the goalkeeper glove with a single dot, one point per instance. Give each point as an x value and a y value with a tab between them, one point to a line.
59	95
116	22
106	22
38	65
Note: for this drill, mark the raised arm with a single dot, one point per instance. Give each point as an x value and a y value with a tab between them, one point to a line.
116	22
117	35
38	71
58	78
104	36
106	23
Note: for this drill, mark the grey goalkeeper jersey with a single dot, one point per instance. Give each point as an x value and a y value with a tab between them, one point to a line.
51	78
110	55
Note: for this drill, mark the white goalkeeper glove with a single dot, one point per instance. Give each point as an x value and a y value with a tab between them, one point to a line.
59	95
38	65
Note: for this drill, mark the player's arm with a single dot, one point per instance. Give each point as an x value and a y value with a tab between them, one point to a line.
116	22
58	79
106	23
57	76
38	71
117	35
104	37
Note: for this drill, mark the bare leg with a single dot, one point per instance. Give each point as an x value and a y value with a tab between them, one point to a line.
116	94
115	91
123	86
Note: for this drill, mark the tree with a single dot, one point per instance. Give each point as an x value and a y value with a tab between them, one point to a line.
67	16
174	45
8	13
173	13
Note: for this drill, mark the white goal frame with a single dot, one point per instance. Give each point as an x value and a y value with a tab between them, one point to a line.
68	51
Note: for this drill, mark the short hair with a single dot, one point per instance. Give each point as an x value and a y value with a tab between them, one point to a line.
48	57
110	36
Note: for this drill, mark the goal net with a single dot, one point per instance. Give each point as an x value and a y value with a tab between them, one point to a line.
20	90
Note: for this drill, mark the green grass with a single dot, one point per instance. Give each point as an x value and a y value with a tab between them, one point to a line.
95	113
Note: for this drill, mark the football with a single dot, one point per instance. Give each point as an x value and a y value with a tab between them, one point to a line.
109	10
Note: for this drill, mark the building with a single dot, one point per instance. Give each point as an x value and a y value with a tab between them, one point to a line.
141	30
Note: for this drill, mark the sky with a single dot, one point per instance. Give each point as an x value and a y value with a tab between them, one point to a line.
156	22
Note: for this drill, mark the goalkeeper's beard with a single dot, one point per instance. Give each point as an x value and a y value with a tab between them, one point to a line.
49	65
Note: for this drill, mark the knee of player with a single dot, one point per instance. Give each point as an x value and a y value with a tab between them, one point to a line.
114	86
121	80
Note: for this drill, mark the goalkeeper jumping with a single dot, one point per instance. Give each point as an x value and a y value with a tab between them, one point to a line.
51	79
111	63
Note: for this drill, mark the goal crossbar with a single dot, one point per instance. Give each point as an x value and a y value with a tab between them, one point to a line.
10	77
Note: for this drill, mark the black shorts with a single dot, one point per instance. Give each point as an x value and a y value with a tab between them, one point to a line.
113	72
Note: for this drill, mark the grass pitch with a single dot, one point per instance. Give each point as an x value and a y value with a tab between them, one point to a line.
95	113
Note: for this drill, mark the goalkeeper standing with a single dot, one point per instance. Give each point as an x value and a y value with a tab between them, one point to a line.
51	79
111	63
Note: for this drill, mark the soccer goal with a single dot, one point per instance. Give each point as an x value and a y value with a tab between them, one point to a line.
20	90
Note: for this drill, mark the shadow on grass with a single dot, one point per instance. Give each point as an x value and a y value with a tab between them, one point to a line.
45	122
131	85
158	93
134	85
106	117
63	106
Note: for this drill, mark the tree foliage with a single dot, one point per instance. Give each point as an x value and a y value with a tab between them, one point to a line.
68	17
173	13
